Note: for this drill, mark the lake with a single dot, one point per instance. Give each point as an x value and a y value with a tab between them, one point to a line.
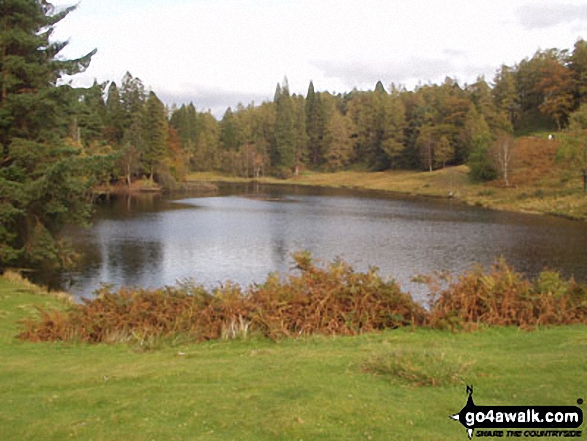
247	231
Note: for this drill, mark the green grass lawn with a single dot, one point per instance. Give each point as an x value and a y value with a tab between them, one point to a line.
343	388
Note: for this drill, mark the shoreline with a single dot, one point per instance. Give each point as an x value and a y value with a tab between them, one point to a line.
449	183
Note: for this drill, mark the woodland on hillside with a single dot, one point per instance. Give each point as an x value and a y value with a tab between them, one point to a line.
60	143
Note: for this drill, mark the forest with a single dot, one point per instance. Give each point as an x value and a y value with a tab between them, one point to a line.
61	145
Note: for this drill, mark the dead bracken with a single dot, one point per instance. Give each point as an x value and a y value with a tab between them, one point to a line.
332	299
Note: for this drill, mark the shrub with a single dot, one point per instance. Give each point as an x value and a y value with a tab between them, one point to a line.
330	300
504	297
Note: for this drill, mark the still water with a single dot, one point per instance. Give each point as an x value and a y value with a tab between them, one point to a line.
245	232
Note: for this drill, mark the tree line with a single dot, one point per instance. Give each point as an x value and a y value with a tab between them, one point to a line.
427	128
59	143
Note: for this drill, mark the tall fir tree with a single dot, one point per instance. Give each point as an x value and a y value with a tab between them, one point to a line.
283	158
132	96
155	135
114	120
314	126
228	136
505	96
42	182
301	144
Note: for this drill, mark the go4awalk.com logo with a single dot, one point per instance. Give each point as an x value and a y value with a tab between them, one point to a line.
520	421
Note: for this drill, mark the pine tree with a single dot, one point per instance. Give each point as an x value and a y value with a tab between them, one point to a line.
89	115
314	126
505	95
155	134
133	97
114	120
301	144
283	158
185	120
42	182
29	101
477	137
228	131
392	128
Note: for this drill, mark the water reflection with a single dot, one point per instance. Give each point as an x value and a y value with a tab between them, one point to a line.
155	241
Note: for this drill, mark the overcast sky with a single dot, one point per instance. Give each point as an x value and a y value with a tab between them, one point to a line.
218	53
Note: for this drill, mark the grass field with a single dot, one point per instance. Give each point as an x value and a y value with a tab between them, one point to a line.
397	385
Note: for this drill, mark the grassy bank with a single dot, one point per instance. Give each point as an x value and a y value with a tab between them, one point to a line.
537	183
399	384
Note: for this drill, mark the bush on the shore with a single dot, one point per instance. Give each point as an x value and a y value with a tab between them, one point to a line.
503	297
328	300
334	300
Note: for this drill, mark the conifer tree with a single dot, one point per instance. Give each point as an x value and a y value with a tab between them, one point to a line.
228	131
186	121
42	183
315	125
155	134
301	144
505	95
89	115
114	130
133	97
283	157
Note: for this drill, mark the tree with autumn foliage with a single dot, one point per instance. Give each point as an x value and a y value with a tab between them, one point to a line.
556	86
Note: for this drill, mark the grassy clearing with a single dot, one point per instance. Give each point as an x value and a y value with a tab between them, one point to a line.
318	388
440	183
538	183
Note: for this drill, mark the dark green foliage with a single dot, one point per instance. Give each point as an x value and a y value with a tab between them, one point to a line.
30	104
284	146
314	125
88	121
133	97
186	121
228	131
573	148
477	138
42	179
114	116
155	133
481	165
43	188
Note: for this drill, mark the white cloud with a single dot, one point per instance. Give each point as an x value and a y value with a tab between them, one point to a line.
220	52
546	15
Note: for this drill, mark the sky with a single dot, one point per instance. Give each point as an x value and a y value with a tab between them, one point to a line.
217	53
